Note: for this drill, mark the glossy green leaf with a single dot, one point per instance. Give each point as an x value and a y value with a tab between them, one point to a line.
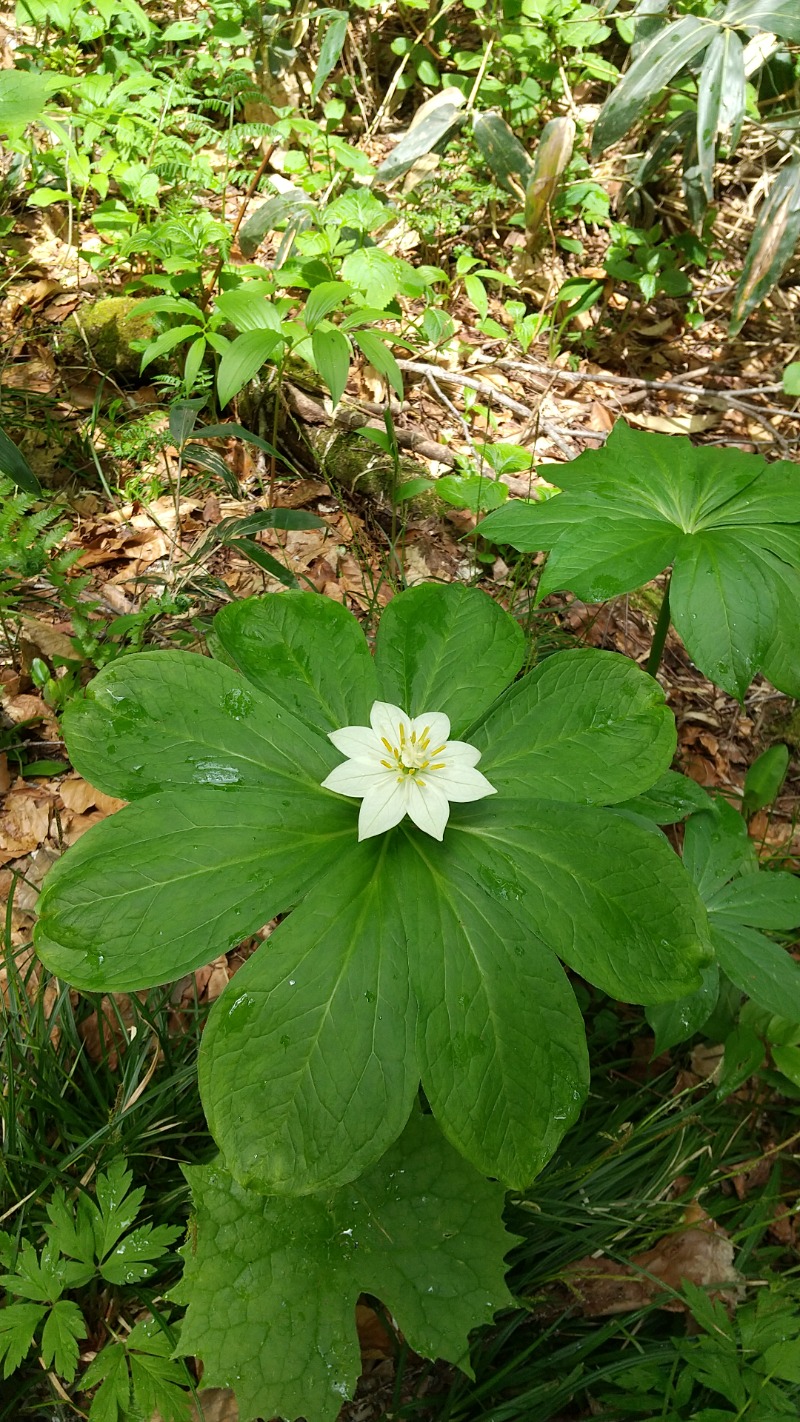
331	350
156	891
16	467
774	497
334	32
610	556
249	308
503	152
167	342
764	779
243	360
763	900
773	243
586	727
378	354
501	1044
162	719
716	847
671	799
608	896
446	648
744	1054
272	1283
724	607
538	525
674	1022
307	652
307	1068
762	969
322	299
658	62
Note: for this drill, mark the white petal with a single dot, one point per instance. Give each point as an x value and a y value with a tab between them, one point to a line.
386	719
435	724
383	807
357	742
427	807
461	783
356	777
459	753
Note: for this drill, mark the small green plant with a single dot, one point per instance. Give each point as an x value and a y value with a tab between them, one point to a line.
88	1245
645	260
727	522
742	900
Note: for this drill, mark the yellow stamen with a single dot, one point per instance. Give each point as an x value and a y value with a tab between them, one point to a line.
438	750
413	738
402	733
389	765
421	784
439	766
388	745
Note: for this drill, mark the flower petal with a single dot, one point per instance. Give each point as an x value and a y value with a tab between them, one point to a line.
435	724
461	783
383	807
386	719
357	742
356	777
459	753
427	807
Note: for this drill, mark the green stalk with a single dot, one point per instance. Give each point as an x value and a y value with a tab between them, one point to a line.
660	634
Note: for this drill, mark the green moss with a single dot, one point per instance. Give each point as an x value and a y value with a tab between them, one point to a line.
109	326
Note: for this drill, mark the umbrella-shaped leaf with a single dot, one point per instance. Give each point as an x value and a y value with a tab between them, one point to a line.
724	607
586	727
446	649
307	1069
167	718
502	1049
304	651
156	891
612	556
606	895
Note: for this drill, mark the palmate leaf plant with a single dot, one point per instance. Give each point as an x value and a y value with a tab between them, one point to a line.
727	523
744	903
408	954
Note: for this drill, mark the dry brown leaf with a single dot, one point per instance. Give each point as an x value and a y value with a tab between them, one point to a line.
24	820
79	796
701	1254
373	1336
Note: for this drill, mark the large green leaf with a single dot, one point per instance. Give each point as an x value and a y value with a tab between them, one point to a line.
655	66
501	1045
764	900
608	896
154	892
674	1022
307	1069
587	727
244	359
161	719
610	556
449	649
761	968
724	607
271	1283
671	799
306	652
14	464
774	497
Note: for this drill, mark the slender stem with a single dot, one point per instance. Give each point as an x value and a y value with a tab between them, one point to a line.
660	634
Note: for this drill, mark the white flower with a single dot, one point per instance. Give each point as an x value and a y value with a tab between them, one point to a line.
405	765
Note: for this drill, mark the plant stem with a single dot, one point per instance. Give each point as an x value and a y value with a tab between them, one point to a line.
660	634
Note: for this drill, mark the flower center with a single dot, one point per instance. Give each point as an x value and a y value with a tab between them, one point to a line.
412	755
